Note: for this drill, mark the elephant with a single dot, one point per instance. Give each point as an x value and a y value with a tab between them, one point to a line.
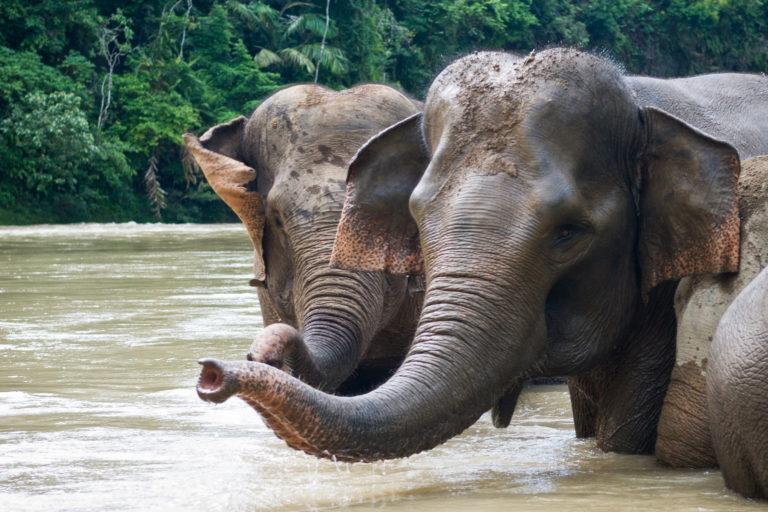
283	173
553	204
738	415
685	439
718	396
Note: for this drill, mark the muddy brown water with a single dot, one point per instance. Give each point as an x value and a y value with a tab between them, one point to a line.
100	330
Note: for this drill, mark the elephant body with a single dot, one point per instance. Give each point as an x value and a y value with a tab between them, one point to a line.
684	438
283	172
553	214
738	366
718	104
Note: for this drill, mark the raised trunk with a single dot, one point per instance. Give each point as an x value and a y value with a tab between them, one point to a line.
445	384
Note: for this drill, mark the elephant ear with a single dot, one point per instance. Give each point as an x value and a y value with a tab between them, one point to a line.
217	153
376	231
689	215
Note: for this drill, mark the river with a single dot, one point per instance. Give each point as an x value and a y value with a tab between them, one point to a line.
101	326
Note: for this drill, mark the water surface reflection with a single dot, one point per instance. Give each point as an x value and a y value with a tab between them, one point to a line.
100	329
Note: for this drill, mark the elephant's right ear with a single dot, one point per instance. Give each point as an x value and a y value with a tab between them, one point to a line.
376	231
217	153
689	211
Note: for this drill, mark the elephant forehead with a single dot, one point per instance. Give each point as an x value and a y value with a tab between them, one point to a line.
311	106
482	81
327	132
320	184
494	91
475	70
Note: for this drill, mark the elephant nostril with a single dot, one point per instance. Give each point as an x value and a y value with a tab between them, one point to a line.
210	378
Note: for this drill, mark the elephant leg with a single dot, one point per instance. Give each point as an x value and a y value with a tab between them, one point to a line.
620	402
583	404
684	439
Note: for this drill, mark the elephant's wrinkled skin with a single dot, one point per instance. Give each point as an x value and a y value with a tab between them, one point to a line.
732	310
700	302
283	172
738	367
555	215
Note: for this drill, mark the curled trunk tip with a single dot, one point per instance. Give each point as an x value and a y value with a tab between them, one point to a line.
213	384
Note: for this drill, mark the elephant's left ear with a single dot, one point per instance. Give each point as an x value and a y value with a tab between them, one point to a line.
376	231
689	214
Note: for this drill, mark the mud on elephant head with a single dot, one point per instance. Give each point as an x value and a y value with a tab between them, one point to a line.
553	203
283	173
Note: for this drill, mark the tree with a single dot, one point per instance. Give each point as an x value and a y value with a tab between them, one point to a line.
95	94
52	159
293	37
114	42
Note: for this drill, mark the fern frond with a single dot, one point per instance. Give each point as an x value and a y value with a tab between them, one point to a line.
298	59
333	57
155	193
266	58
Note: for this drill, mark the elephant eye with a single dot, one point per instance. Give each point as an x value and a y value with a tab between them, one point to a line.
565	233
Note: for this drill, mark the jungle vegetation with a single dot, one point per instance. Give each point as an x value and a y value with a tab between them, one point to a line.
95	94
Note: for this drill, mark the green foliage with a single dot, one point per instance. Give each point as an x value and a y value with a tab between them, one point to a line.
77	67
289	35
49	28
48	137
434	33
50	157
662	37
230	82
22	72
95	94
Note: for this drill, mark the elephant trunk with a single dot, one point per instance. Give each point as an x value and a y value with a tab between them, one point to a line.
339	313
445	384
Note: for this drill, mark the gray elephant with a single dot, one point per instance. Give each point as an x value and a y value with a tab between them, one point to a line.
685	439
738	357
283	172
738	365
718	396
555	204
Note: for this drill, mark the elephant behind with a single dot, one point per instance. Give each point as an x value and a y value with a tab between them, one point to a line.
738	415
737	369
283	172
685	439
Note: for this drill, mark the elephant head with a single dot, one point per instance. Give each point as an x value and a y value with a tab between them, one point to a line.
548	211
283	173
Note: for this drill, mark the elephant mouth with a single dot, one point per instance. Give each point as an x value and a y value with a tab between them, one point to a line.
212	385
